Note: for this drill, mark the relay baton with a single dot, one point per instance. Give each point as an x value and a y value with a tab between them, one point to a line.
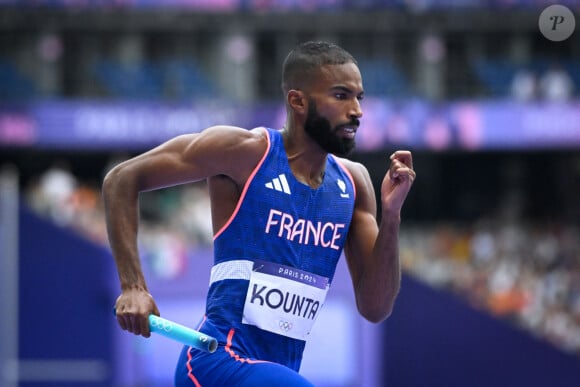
182	334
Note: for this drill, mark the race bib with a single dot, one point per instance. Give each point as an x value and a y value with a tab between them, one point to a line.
284	300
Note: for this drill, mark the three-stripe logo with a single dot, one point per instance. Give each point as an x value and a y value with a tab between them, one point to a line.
279	184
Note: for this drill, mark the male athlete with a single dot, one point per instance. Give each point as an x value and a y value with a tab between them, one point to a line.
284	205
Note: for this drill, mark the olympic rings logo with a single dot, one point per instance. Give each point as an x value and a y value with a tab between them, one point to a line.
160	324
285	325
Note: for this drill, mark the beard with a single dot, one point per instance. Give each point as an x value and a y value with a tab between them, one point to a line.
320	130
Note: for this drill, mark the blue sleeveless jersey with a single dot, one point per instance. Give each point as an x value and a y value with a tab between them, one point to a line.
282	221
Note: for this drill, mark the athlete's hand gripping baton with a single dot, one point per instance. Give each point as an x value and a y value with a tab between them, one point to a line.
182	334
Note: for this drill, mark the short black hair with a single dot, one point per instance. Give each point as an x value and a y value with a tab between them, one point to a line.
307	58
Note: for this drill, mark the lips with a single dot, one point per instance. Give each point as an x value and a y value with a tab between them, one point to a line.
348	131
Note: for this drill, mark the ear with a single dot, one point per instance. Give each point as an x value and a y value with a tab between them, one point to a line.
297	101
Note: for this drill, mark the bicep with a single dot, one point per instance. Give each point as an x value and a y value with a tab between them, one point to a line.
192	157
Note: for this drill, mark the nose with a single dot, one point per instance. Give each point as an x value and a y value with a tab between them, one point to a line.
356	110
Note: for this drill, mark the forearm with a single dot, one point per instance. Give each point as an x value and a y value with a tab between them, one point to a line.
380	281
120	196
372	250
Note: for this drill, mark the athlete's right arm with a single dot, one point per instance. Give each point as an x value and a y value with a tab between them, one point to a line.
221	150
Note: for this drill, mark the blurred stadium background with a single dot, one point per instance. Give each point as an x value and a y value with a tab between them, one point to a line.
490	239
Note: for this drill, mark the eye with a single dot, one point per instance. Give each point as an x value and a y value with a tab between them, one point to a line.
360	97
340	96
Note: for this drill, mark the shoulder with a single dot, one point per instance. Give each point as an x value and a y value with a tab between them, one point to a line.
227	141
365	202
357	171
228	150
224	135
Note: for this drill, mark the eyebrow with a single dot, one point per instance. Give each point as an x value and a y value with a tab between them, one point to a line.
345	89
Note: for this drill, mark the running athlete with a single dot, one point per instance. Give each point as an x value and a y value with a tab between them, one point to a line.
285	204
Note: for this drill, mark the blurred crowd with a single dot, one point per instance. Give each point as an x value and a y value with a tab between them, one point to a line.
526	273
173	222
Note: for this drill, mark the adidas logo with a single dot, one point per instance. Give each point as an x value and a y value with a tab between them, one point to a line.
342	187
279	184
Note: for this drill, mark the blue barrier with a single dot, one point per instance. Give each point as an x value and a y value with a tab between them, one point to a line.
435	339
65	324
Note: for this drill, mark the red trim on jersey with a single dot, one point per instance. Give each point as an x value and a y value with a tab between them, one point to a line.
246	186
234	355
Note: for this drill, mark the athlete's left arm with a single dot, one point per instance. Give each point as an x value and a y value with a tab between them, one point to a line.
372	250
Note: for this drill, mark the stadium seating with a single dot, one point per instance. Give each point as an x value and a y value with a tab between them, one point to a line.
15	85
174	78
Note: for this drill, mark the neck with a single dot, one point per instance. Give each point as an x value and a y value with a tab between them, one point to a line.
307	160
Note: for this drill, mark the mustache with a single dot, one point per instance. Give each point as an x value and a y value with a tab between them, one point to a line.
355	122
